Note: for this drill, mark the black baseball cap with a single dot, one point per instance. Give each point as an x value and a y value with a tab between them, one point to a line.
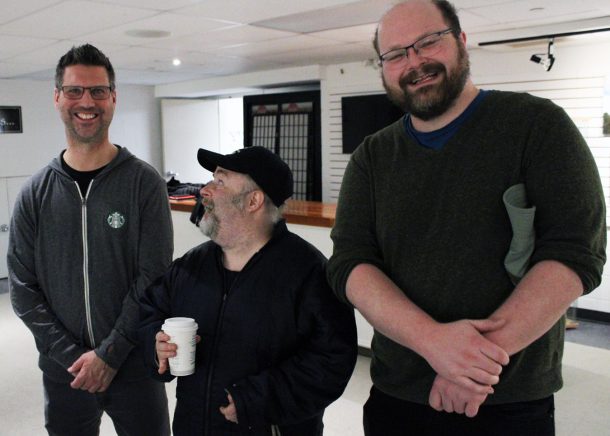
266	168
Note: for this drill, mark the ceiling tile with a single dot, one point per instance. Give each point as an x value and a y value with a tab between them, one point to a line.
521	12
13	70
161	5
176	25
283	45
22	8
150	77
15	45
325	55
220	38
248	11
358	13
70	19
213	37
50	54
361	33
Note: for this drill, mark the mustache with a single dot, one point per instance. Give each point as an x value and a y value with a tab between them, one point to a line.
208	205
430	68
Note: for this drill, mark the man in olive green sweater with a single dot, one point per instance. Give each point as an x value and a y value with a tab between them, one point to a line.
422	232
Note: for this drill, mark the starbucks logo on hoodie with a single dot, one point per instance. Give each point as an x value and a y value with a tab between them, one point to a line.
115	220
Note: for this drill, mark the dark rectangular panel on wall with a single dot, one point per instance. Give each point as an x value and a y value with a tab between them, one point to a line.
365	114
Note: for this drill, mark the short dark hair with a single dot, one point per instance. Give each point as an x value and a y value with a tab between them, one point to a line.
83	55
449	16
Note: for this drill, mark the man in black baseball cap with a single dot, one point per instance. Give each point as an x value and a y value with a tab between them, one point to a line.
266	168
276	346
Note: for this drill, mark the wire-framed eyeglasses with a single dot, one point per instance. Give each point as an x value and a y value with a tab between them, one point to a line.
429	45
77	92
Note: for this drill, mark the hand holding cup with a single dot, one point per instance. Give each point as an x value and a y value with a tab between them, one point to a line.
165	350
175	345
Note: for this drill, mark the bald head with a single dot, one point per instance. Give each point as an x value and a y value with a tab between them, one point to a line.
413	10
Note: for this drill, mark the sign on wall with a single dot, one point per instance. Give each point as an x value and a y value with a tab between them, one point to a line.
10	119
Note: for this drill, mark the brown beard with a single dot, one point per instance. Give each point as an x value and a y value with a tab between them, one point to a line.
431	101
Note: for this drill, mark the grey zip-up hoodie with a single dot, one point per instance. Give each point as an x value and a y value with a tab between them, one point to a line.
77	263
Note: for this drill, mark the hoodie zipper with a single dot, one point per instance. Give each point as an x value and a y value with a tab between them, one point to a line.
86	262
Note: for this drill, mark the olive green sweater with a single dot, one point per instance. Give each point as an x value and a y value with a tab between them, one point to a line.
434	222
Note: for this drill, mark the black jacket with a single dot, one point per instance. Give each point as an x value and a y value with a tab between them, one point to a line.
277	340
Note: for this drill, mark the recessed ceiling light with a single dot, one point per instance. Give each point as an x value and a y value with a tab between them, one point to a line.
176	62
148	33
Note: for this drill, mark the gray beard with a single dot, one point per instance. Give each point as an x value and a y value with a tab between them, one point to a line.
209	227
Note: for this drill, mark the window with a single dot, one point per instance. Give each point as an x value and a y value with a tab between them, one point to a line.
289	125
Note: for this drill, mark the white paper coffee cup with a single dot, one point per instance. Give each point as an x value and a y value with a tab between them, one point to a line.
182	332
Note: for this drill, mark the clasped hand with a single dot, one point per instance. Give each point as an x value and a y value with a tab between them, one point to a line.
467	365
91	373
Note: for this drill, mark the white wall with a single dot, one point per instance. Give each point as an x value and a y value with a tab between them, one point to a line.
136	125
43	133
191	124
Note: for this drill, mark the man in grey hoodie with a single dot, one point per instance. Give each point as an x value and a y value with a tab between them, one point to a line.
89	232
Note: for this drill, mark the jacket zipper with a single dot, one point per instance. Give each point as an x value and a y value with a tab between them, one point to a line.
86	262
208	390
218	327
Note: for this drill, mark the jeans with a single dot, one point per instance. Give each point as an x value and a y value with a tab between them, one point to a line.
388	416
137	408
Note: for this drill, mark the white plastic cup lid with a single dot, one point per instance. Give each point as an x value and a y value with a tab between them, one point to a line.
180	323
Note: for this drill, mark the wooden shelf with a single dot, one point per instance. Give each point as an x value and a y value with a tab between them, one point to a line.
310	213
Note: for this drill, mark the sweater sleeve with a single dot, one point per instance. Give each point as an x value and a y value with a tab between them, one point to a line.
154	256
315	375
155	306
562	181
353	235
27	294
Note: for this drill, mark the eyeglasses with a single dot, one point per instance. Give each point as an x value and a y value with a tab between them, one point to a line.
427	46
77	92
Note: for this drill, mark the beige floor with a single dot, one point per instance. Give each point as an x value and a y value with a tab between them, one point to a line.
583	406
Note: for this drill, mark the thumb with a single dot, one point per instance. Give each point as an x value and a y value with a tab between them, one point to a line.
162	365
487	325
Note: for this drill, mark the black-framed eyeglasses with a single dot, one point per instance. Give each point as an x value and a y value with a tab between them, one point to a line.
429	45
77	92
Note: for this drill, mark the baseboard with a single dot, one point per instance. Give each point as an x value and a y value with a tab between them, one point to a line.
589	315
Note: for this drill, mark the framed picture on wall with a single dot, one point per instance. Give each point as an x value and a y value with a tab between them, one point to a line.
10	119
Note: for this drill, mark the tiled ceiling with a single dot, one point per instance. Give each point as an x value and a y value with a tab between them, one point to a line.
224	37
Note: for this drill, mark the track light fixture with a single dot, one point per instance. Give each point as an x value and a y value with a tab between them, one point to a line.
545	59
